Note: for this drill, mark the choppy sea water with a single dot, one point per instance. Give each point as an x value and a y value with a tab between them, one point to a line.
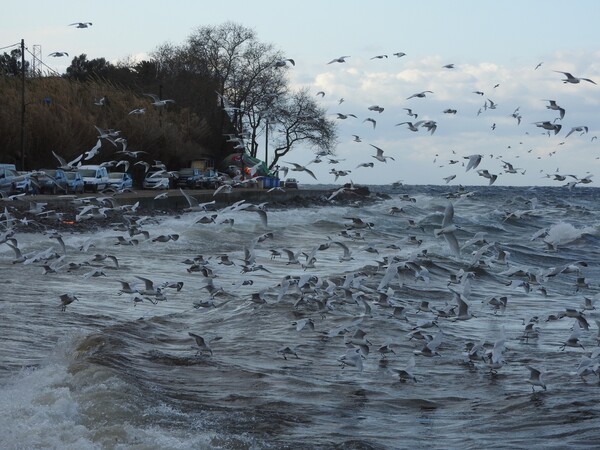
314	354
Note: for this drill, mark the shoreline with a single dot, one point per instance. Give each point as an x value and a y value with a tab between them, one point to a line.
59	212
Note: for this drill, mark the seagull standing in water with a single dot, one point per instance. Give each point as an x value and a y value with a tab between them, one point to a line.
66	299
202	343
536	378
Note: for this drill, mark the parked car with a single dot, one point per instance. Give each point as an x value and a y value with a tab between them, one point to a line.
23	184
157	180
12	182
95	178
75	183
120	180
189	178
291	183
50	181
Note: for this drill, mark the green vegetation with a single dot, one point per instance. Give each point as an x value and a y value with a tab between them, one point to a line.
226	86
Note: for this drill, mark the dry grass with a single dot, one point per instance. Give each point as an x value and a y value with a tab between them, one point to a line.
61	115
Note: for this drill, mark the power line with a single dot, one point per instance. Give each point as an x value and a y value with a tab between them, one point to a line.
13	45
42	62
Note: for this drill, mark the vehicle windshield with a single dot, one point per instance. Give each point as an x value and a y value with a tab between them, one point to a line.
71	175
186	172
116	175
88	173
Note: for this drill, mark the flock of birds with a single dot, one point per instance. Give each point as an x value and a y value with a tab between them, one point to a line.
374	290
552	127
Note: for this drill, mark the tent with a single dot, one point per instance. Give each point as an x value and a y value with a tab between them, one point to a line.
238	162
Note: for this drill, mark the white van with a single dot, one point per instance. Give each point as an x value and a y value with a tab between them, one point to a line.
95	178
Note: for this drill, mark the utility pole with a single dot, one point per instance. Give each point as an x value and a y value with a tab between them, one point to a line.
267	145
22	104
160	109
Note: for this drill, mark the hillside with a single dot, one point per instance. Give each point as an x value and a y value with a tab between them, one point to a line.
61	116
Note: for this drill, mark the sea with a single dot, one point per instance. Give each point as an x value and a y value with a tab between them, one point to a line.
356	325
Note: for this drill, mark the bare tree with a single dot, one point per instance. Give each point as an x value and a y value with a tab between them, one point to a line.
254	91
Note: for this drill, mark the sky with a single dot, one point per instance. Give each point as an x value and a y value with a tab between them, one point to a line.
495	47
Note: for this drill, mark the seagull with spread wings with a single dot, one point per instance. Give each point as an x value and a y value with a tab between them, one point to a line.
158	102
299	168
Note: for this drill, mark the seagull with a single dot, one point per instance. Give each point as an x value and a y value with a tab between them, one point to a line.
410	113
536	378
555	107
399	54
379	56
549	126
485	174
58	54
227	188
407	373
201	342
474	161
419	94
68	165
299	168
573	80
137	111
352	358
81	24
66	299
93	151
341	59
449	178
158	102
448	229
448	66
283	62
431	125
538	65
373	121
379	156
583	129
369	164
411	126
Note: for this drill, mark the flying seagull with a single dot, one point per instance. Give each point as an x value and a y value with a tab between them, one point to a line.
283	62
379	156
158	102
571	79
58	54
555	107
341	59
81	24
419	94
